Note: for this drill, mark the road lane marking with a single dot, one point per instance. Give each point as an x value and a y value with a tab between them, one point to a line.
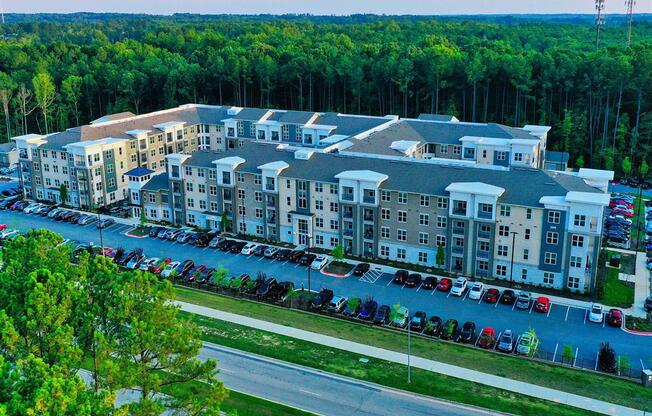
531	307
642	366
567	310
575	358
554	355
586	313
549	310
310	392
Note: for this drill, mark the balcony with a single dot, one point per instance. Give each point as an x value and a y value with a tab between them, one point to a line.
484	234
369	199
23	154
482	273
271	218
347	233
458	230
482	254
369	235
269	187
459	211
485	215
271	203
369	217
347	197
458	249
347	214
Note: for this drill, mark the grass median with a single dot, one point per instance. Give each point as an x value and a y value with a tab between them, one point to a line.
612	389
374	370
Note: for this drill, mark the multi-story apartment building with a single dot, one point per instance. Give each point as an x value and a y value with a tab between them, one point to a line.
486	219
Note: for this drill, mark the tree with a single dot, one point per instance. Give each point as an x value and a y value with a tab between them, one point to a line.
338	252
63	193
24	98
44	93
607	358
6	90
567	356
224	222
643	169
579	162
71	90
143	218
626	166
441	255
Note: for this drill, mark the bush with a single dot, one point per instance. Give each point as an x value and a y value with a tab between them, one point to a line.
607	358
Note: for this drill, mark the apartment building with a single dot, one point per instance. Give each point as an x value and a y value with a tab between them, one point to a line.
533	226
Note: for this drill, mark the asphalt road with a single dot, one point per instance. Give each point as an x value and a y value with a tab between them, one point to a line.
562	326
318	392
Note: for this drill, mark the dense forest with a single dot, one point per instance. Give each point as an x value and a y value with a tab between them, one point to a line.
60	71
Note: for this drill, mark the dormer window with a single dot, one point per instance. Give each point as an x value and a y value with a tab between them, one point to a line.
261	134
307	138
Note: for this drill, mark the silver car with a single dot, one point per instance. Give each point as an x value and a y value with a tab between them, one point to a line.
506	341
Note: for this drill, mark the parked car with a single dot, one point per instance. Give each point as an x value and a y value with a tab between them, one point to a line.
527	344
475	293
259	251
162	233
216	241
450	329
459	286
596	314
381	317
433	326
400	276
87	219
506	341
400	317
105	222
307	259
183	268
467	334
135	260
523	300
296	255
153	232
491	295
368	310
487	338
418	321
337	304
444	284
542	304
352	307
319	262
225	245
279	291
194	273
508	297
615	318
237	246
162	265
270	282
360	269
429	283
413	280
322	299
281	254
271	252
149	263
202	239
173	233
248	249
184	236
169	269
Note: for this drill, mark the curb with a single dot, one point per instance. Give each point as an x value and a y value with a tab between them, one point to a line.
133	236
338	276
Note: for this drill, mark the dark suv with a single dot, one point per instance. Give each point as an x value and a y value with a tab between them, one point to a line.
382	315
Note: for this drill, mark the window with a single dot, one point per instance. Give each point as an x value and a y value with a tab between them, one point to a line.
402	198
212	174
577	240
259	213
335	225
190	202
242	227
501	270
319	187
457	150
258	196
401	216
202	204
258	179
527	233
334	241
191	218
260	231
580	220
548	278
552	238
319	222
503	231
528	213
400	253
550	258
526	254
443	149
440	240
201	172
423	238
242	210
401	235
442	203
502	250
213	206
575	261
288	183
188	170
385	214
423	257
500	155
289	201
424	219
424	200
518	157
385	196
334	207
333	189
241	194
505	210
240	177
442	221
201	188
523	274
573	282
212	190
384	251
483	246
554	217
384	232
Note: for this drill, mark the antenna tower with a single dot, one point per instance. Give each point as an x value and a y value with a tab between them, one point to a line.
599	21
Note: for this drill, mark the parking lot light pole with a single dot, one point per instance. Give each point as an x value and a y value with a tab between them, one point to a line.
511	264
307	251
409	373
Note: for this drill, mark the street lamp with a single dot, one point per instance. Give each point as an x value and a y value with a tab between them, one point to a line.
511	265
309	239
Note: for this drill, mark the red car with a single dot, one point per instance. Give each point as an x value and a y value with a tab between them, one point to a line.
542	304
445	284
106	251
400	276
615	318
159	267
491	295
627	214
487	338
3	227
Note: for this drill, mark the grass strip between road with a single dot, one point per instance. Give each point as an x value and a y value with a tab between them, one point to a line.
576	381
374	370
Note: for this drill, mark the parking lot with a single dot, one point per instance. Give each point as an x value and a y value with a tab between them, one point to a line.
562	325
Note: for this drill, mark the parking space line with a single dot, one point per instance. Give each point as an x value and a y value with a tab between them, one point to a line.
478	339
433	291
642	366
388	283
549	310
261	258
419	287
449	293
496	304
531	307
575	358
554	355
597	353
567	310
604	320
465	295
286	262
497	340
514	305
586	313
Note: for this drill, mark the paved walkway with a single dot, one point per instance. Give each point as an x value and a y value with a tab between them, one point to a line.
422	363
641	285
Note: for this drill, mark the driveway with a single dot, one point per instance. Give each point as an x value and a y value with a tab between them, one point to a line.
561	326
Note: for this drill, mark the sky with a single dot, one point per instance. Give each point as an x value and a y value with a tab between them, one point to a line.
320	7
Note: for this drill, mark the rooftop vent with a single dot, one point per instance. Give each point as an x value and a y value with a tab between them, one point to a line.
303	154
233	111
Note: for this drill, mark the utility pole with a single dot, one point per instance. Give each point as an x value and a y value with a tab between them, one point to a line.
409	380
630	14
511	264
599	21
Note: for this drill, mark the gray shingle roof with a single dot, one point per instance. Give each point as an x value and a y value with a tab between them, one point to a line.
157	182
292	117
523	186
436	117
253	114
559	157
349	125
7	147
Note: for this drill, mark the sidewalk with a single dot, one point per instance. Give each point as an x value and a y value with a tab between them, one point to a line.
422	363
641	286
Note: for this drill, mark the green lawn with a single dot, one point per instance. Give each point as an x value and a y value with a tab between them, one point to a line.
246	405
616	292
378	371
580	382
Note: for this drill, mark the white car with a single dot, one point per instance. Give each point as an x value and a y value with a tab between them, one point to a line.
169	268
337	304
31	208
596	314
54	212
476	291
248	249
150	262
319	262
459	286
